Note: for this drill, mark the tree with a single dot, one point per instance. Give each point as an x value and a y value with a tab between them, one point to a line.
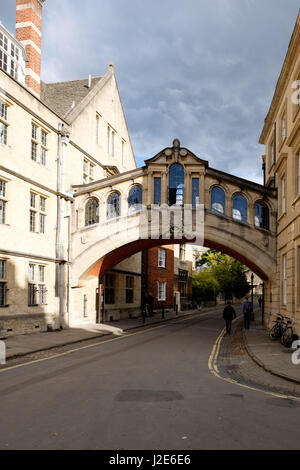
205	287
230	273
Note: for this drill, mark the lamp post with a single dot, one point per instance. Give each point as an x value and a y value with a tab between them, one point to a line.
252	287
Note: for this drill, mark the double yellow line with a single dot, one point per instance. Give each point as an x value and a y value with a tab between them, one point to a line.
213	367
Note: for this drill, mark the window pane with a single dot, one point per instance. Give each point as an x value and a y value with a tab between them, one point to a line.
2	269
92	212
240	208
33	151
195	191
31	272
42	204
3	133
42	223
135	198
113	206
262	215
176	185
32	200
3	294
3	111
41	273
157	191
218	200
32	221
2	188
2	212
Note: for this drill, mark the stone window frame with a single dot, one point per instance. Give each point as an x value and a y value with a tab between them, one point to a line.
111	140
4	122
39	143
162	258
161	291
129	291
37	210
110	289
3	283
37	285
3	200
284	280
10	56
88	171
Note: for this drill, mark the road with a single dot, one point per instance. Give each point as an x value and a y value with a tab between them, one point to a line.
149	390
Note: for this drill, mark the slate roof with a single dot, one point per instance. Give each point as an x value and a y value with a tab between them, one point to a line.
60	96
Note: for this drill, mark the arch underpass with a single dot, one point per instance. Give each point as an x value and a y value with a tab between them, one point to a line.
237	217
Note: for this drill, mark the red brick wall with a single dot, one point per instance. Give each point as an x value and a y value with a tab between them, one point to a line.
31	13
155	274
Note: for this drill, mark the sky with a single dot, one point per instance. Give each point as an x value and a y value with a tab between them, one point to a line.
200	71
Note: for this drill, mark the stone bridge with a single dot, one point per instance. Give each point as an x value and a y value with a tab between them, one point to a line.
112	217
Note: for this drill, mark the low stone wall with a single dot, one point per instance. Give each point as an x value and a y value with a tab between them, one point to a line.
12	325
116	314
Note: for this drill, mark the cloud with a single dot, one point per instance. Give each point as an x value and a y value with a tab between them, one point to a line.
201	71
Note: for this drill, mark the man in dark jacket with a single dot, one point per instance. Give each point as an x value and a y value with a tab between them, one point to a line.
247	311
228	315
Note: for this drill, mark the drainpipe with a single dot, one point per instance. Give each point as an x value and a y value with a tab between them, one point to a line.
63	141
264	173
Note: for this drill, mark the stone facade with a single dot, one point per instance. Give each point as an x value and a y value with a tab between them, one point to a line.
43	153
281	137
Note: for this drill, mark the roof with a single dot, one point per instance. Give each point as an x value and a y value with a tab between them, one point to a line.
63	97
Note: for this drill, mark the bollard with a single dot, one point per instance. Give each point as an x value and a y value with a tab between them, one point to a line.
176	309
2	353
163	313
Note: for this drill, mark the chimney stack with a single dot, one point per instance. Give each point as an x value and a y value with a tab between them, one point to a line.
29	33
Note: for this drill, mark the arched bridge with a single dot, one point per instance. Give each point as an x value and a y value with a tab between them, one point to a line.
118	216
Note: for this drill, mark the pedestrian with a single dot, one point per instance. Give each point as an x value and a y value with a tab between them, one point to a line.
148	304
228	315
247	311
260	302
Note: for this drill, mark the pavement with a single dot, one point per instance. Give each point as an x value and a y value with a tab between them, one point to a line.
23	345
270	355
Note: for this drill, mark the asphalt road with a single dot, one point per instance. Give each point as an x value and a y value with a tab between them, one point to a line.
148	390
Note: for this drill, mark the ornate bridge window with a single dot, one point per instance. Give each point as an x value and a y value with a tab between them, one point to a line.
195	191
91	212
157	191
262	215
113	205
176	185
240	208
135	198
218	200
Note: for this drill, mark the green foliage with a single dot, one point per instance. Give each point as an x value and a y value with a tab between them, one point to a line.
205	287
228	272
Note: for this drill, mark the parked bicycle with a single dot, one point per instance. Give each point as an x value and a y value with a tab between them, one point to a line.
283	330
277	329
287	337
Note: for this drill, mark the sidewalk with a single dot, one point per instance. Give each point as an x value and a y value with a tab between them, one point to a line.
270	355
22	345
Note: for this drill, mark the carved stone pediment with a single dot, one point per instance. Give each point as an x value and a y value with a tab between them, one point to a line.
176	154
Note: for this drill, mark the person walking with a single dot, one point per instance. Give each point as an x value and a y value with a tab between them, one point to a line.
260	302
247	311
228	315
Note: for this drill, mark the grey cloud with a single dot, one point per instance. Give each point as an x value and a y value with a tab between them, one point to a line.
202	71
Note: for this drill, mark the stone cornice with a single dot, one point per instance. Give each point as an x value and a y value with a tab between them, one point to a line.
287	69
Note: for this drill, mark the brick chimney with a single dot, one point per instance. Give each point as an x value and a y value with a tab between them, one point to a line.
29	32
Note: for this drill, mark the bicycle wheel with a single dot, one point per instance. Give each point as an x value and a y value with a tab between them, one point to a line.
274	332
287	337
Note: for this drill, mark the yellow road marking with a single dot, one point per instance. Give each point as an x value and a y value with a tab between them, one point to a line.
212	365
99	343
